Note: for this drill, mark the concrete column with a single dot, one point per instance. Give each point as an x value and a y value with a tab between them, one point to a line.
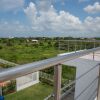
98	92
57	81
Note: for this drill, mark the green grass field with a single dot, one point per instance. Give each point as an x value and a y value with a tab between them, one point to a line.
35	92
26	52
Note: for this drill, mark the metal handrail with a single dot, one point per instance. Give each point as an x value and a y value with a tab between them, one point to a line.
25	69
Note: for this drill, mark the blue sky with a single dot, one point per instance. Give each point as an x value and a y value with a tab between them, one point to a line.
80	18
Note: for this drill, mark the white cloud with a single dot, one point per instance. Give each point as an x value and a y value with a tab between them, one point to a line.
92	24
31	11
8	5
52	21
84	0
61	22
95	8
44	5
12	27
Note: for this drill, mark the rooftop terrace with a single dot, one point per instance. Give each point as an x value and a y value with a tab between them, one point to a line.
86	86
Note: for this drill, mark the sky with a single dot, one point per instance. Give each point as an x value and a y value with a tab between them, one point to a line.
43	18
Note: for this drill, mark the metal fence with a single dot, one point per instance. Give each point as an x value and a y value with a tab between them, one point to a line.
74	45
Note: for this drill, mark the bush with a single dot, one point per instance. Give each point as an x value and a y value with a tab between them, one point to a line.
1	47
56	45
9	88
46	81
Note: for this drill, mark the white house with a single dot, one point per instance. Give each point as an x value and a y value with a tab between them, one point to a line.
33	40
26	81
36	41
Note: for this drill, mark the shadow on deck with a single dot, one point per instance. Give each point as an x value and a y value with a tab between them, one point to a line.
70	96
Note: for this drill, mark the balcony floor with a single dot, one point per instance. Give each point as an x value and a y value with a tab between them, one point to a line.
69	96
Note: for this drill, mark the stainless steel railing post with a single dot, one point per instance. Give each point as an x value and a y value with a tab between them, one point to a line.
98	92
57	81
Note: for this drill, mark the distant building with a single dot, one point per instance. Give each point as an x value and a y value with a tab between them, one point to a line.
33	41
10	37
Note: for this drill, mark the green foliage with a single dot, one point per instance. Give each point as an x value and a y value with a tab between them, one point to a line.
56	45
1	47
68	72
35	92
49	70
46	81
9	43
9	88
21	52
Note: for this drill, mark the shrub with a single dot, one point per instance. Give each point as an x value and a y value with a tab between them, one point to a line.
1	47
9	88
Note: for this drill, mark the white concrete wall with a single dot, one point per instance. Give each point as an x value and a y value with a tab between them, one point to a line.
27	81
82	89
86	84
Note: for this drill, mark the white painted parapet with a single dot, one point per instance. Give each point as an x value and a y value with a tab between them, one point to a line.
87	72
26	81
